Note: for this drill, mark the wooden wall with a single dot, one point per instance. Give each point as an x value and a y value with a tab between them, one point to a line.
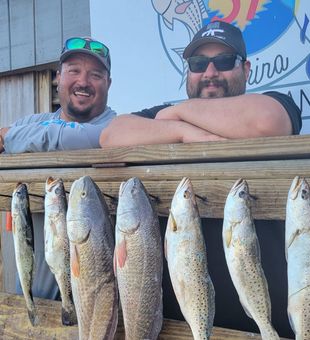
33	31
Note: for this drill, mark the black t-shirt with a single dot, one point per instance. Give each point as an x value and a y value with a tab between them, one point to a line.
286	101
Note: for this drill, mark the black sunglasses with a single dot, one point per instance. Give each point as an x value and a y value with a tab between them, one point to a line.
223	62
92	45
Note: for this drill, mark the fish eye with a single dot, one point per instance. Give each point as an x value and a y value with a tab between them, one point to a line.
242	194
83	194
57	191
186	194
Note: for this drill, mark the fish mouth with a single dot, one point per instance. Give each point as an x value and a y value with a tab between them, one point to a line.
238	184
295	187
51	182
185	182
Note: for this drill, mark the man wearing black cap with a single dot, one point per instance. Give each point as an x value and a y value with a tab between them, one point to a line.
83	82
219	108
218	70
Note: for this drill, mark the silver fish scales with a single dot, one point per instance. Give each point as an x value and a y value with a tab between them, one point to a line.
138	262
93	282
22	228
57	252
297	248
186	254
242	253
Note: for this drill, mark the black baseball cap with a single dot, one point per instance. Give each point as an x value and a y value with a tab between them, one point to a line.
88	46
218	32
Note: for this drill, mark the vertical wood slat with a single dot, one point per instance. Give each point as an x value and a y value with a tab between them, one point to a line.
22	33
5	62
48	30
43	91
17	97
76	18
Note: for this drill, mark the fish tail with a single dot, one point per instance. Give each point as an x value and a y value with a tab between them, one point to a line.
68	317
269	333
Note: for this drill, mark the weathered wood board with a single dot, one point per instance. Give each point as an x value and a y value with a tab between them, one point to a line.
14	324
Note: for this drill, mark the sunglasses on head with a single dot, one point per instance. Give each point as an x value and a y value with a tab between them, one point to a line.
223	62
94	46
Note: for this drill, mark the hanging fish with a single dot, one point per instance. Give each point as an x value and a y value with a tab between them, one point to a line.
57	252
186	254
297	249
242	252
22	228
138	262
93	282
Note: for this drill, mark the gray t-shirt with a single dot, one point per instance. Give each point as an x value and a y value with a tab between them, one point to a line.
47	132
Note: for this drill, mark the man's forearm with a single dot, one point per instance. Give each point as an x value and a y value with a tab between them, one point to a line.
133	130
243	116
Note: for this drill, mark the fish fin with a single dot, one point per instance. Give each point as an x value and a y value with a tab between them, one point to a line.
228	236
68	318
165	248
121	253
33	317
292	238
246	310
173	222
75	262
290	319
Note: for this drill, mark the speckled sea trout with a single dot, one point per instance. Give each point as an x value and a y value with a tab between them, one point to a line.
138	262
186	254
57	252
297	248
22	228
93	282
242	252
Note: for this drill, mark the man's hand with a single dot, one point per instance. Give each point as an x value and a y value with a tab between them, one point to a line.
3	132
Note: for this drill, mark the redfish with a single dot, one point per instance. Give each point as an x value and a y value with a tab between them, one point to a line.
138	262
93	282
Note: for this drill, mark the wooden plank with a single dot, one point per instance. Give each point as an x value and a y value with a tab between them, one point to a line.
288	147
270	204
50	327
224	170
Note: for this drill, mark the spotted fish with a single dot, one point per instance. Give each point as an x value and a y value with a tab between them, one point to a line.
242	252
22	228
186	254
297	248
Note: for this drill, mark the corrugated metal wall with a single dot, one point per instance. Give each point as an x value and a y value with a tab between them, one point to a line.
33	31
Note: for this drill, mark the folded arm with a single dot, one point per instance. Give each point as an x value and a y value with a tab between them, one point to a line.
245	116
134	130
50	136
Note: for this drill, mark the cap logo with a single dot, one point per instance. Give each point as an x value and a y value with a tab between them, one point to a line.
212	32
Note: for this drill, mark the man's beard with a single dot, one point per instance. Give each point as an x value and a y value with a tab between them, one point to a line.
235	88
79	115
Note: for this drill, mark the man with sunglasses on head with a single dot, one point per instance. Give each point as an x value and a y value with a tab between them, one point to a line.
83	80
218	107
